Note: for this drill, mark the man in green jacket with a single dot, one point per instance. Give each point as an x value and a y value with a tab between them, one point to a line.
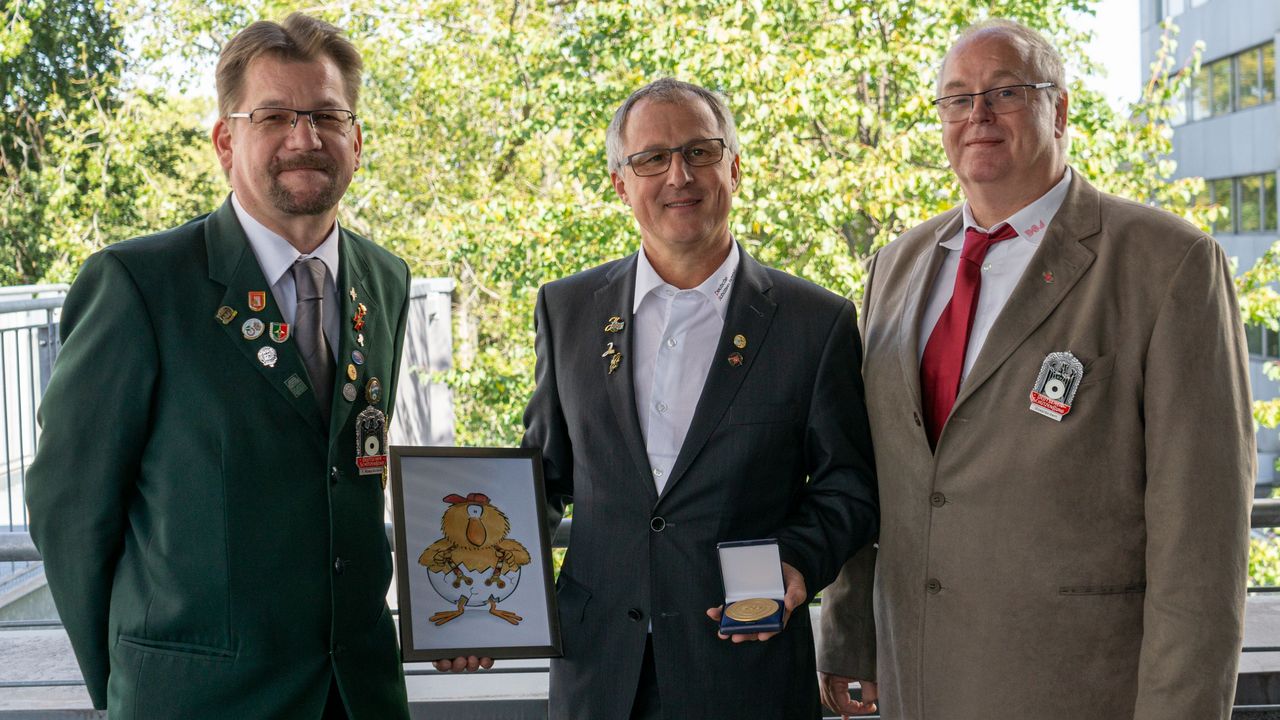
208	490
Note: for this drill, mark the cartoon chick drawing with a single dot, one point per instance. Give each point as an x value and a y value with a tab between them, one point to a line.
475	563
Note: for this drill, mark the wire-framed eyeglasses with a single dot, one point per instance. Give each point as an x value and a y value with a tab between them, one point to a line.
276	119
697	153
1000	100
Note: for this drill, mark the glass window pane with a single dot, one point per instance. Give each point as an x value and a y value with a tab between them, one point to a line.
1269	202
1253	338
1248	84
1178	114
1272	343
1200	94
1220	87
1221	193
1175	7
1268	73
1251	203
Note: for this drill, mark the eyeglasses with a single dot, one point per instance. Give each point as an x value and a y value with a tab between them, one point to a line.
696	153
1001	100
274	119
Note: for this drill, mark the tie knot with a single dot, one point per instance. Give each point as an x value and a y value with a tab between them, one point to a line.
308	278
976	242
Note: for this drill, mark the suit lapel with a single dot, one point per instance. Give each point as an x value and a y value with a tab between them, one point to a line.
1062	255
233	264
353	273
918	289
750	314
616	297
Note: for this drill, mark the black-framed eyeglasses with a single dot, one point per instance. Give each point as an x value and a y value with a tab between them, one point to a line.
269	119
697	153
1000	100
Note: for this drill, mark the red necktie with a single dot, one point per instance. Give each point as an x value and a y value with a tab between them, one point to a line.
943	361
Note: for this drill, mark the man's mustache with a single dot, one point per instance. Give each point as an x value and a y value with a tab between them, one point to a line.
309	161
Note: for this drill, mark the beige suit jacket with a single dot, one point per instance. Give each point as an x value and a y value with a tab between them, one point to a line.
1093	567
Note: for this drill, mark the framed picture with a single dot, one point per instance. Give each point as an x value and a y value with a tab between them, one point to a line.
473	556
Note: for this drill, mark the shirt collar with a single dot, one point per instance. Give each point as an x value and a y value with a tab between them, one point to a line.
1030	222
275	254
716	288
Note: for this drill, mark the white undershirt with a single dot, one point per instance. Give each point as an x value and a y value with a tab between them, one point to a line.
676	336
275	256
1004	265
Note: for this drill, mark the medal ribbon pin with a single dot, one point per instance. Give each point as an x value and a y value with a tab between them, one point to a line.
615	357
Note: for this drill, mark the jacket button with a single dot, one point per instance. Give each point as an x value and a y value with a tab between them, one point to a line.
933	586
635	614
658	524
916	417
937	499
334	475
338	566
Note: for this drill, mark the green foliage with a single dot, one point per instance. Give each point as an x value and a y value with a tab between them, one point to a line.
1264	560
484	141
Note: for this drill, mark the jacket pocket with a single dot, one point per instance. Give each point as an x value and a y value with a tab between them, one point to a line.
189	651
572	598
1098	370
761	413
1131	588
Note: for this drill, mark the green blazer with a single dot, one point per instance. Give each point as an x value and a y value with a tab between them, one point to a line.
211	547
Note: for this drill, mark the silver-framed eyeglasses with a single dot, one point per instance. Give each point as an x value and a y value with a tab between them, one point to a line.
657	161
276	119
1000	100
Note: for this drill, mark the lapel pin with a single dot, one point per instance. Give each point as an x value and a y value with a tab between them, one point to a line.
349	392
279	332
739	341
357	357
1056	385
735	359
226	314
252	329
352	293
357	320
373	391
267	356
614	362
257	300
360	339
1048	276
351	372
614	325
608	351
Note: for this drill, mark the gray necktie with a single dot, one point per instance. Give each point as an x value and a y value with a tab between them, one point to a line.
308	329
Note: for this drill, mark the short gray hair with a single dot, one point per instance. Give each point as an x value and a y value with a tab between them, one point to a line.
668	90
1041	57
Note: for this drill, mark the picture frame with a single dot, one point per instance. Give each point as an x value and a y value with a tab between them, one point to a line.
449	504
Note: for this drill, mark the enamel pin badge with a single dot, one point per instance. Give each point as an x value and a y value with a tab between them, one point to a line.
1056	385
257	300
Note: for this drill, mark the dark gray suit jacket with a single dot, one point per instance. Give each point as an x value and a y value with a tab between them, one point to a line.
778	447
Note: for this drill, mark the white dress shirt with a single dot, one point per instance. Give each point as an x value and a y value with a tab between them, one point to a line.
276	256
1003	267
676	336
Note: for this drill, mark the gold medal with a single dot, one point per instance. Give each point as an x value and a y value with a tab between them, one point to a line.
752	609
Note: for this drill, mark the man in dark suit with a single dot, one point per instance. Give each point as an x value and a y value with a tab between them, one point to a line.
1059	386
687	395
208	490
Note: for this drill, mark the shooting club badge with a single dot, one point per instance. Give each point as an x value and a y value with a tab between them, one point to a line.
1055	387
371	441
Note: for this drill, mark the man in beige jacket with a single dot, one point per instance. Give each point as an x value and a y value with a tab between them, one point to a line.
1058	391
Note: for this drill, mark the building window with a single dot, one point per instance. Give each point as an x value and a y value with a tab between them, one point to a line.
1253	338
1255	76
1249	202
1238	82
